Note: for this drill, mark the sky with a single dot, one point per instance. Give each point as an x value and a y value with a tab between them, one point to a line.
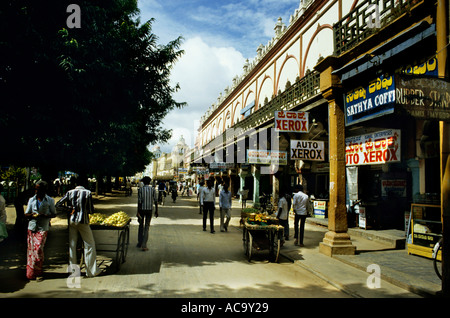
218	36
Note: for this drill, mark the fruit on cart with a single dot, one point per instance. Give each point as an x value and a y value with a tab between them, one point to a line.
97	218
118	219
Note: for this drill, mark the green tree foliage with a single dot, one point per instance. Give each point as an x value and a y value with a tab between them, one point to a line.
86	99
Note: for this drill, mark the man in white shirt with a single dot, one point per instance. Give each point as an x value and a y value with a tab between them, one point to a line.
300	204
283	214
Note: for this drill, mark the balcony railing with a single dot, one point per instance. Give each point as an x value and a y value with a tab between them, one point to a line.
298	93
364	20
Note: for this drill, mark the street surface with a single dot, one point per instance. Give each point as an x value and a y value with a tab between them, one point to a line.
183	261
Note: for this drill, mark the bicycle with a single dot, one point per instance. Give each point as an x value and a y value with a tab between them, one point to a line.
436	263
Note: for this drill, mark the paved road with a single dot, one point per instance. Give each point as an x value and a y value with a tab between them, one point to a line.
182	261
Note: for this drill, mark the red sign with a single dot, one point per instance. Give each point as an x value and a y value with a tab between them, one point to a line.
376	148
289	121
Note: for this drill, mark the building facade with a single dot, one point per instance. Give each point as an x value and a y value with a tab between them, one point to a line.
349	99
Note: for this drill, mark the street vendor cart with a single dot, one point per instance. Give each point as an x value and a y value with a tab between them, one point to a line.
115	241
262	232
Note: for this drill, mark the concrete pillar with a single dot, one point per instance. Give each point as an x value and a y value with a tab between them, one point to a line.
275	189
242	174
256	176
336	240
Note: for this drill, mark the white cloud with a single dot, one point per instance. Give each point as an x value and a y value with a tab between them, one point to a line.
203	73
219	35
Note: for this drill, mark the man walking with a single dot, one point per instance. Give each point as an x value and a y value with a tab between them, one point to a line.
146	199
79	200
300	204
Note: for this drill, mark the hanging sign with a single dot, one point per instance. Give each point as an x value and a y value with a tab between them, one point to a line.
424	97
376	99
307	150
266	157
375	148
288	121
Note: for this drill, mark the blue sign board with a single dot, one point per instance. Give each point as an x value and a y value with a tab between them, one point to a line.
374	100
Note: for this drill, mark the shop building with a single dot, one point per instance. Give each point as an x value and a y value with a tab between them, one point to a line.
387	96
242	128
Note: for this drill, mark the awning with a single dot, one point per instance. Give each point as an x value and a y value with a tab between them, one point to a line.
398	45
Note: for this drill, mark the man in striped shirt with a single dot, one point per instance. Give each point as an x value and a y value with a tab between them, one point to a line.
79	200
147	197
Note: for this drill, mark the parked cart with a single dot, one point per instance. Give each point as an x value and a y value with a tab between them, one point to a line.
262	233
119	237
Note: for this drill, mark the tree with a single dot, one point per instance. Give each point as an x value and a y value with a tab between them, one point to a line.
86	99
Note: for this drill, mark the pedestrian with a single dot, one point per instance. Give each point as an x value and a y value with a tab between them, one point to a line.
201	186
147	197
174	192
300	205
225	208
3	231
283	214
40	209
79	201
244	195
208	201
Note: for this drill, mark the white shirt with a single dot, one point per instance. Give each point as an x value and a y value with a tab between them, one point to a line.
207	195
300	203
225	199
282	204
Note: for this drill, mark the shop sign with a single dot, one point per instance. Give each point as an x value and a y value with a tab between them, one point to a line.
182	170
395	188
424	97
267	157
376	99
375	148
288	121
307	150
320	208
221	165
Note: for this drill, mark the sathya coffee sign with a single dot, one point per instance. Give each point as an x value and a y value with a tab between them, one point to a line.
374	100
375	148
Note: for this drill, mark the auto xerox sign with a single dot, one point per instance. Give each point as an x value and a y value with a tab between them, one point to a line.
374	100
375	148
307	150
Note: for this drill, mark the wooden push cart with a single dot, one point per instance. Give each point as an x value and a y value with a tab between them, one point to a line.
265	235
117	241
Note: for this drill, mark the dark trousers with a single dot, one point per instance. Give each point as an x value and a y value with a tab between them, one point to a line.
208	207
144	226
302	220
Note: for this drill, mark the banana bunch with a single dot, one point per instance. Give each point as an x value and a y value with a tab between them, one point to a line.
97	218
118	219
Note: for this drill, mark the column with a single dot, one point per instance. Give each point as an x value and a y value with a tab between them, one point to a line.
336	240
256	176
242	175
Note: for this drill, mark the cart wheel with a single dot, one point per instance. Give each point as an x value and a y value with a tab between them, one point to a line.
126	242
275	251
249	246
244	241
119	251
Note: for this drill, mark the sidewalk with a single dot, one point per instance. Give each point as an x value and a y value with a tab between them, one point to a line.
385	248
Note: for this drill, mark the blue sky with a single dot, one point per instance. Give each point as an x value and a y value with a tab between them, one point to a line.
218	37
